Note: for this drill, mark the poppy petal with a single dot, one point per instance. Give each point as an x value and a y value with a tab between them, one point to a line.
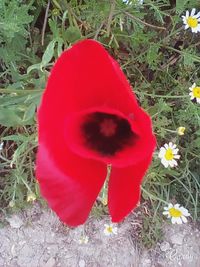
86	76
124	189
71	193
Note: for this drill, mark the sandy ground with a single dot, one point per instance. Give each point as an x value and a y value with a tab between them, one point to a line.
36	238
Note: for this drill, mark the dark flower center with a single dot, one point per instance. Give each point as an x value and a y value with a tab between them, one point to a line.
107	133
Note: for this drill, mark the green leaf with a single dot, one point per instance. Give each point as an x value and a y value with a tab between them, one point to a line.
12	99
183	5
34	67
34	98
13	137
54	28
180	5
29	113
60	45
72	34
9	117
49	53
189	58
152	56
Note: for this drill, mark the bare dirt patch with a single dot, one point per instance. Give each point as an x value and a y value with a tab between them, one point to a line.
36	238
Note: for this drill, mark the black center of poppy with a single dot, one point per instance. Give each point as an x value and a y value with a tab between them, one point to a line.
107	133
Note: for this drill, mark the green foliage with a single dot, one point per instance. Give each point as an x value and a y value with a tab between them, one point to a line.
160	59
19	182
182	5
151	232
17	110
14	22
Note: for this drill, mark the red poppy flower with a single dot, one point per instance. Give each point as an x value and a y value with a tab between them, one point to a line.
88	118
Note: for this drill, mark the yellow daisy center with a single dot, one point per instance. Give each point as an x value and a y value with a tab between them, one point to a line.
196	92
192	22
109	229
175	213
169	154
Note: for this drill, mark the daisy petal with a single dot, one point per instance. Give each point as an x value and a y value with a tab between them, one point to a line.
197	15
166	208
179	221
184	20
193	12
171	163
174	162
193	30
166	146
170	205
175	151
174	220
184	219
115	230
198	27
165	163
165	212
162	152
170	144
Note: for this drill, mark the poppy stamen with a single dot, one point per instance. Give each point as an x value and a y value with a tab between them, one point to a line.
107	133
108	127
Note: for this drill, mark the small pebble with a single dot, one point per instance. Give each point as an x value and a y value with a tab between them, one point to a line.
50	263
15	221
164	246
81	263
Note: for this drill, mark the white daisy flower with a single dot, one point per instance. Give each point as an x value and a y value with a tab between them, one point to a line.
83	240
168	155
181	130
110	229
195	92
192	20
176	213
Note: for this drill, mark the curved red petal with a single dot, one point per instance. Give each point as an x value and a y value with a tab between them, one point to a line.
71	192
86	76
124	189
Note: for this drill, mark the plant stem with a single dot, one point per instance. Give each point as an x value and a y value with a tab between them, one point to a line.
143	22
